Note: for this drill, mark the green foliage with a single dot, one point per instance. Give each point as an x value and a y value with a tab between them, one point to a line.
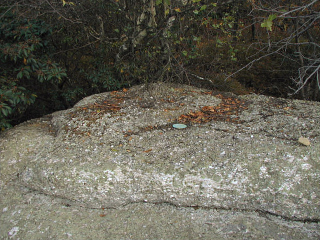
101	79
267	23
158	2
24	62
108	45
12	98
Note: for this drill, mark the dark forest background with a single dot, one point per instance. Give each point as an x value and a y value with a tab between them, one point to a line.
55	52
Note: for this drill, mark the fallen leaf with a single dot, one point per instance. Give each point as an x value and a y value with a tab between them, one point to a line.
304	141
208	109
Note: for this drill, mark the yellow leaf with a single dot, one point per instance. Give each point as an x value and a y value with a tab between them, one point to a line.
177	9
304	141
68	3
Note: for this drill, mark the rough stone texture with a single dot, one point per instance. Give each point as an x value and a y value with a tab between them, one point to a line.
112	167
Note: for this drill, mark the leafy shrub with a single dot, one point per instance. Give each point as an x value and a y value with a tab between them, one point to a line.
25	64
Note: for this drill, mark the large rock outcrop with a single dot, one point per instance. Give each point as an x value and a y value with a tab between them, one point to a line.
113	167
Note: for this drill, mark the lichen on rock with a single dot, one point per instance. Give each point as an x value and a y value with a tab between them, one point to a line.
238	157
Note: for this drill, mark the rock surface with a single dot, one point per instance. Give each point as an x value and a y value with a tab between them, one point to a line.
113	167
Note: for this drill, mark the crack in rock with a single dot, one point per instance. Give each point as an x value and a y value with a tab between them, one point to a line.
263	213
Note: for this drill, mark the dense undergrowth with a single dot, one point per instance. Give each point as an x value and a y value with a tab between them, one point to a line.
53	55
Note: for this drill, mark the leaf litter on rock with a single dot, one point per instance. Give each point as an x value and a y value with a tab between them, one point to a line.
229	106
